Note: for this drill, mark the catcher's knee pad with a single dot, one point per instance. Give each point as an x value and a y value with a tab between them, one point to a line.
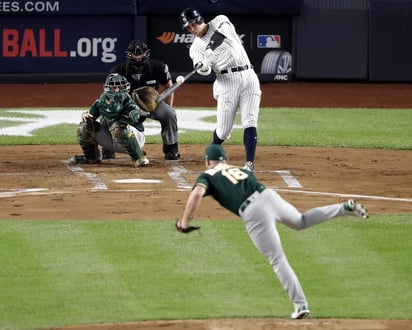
86	132
120	134
127	140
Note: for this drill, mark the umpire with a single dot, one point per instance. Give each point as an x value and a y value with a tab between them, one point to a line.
141	70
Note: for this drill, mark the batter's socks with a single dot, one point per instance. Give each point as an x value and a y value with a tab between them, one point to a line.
250	141
216	139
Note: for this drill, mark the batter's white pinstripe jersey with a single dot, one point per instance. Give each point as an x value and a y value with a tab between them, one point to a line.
229	54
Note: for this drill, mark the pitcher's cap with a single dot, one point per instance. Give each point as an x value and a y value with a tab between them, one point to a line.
215	152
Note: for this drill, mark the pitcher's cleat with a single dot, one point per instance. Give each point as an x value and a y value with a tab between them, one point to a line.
300	313
356	209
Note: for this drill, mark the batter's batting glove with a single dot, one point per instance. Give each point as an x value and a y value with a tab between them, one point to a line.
185	230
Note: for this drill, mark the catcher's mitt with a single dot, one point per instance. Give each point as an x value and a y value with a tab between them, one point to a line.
145	97
185	230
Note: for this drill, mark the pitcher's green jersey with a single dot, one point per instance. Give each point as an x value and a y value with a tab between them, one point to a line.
229	185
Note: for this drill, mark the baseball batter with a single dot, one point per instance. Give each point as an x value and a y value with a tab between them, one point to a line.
260	208
218	47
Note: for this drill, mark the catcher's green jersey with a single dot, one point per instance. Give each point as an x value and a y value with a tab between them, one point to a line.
110	112
229	185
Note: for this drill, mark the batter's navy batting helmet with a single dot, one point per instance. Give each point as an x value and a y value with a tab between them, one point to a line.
190	15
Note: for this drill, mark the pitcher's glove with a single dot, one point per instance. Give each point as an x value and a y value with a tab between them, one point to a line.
145	97
185	230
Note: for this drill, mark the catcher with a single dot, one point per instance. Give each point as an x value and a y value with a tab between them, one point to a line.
115	122
260	208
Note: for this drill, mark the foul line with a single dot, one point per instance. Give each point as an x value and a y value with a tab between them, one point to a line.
320	193
289	179
176	175
93	177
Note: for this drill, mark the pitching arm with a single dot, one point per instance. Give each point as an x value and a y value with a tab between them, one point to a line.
193	202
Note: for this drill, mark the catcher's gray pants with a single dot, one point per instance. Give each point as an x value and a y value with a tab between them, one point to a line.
167	117
260	217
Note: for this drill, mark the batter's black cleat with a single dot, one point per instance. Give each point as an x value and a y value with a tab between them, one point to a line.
300	313
80	159
172	156
107	154
355	209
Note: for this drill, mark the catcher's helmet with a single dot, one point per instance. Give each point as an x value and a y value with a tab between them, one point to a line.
116	87
190	15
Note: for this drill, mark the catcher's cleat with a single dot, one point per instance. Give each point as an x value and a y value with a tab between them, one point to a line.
249	166
172	156
80	159
107	154
355	209
300	313
142	161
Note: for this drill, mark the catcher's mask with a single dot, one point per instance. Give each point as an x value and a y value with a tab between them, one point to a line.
137	52
116	87
189	15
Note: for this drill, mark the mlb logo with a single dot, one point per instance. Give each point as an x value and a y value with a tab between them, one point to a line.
268	41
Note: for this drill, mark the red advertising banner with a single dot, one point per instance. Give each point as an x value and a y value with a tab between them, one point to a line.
83	44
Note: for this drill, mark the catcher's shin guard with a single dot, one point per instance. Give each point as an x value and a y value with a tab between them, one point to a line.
127	140
86	136
86	132
92	153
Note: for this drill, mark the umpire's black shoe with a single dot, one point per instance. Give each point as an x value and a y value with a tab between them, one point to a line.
172	156
107	154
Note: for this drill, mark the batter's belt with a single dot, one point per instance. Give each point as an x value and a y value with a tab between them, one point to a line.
250	199
236	69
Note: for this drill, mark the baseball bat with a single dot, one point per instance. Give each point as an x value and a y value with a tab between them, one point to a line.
176	85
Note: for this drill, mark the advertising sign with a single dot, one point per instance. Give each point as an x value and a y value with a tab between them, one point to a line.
89	44
67	7
267	40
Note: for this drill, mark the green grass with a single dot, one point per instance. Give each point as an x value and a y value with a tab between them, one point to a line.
359	128
57	273
365	128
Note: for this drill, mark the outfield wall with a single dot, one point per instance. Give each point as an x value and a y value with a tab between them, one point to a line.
80	40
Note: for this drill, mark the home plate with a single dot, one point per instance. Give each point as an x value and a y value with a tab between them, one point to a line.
137	181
